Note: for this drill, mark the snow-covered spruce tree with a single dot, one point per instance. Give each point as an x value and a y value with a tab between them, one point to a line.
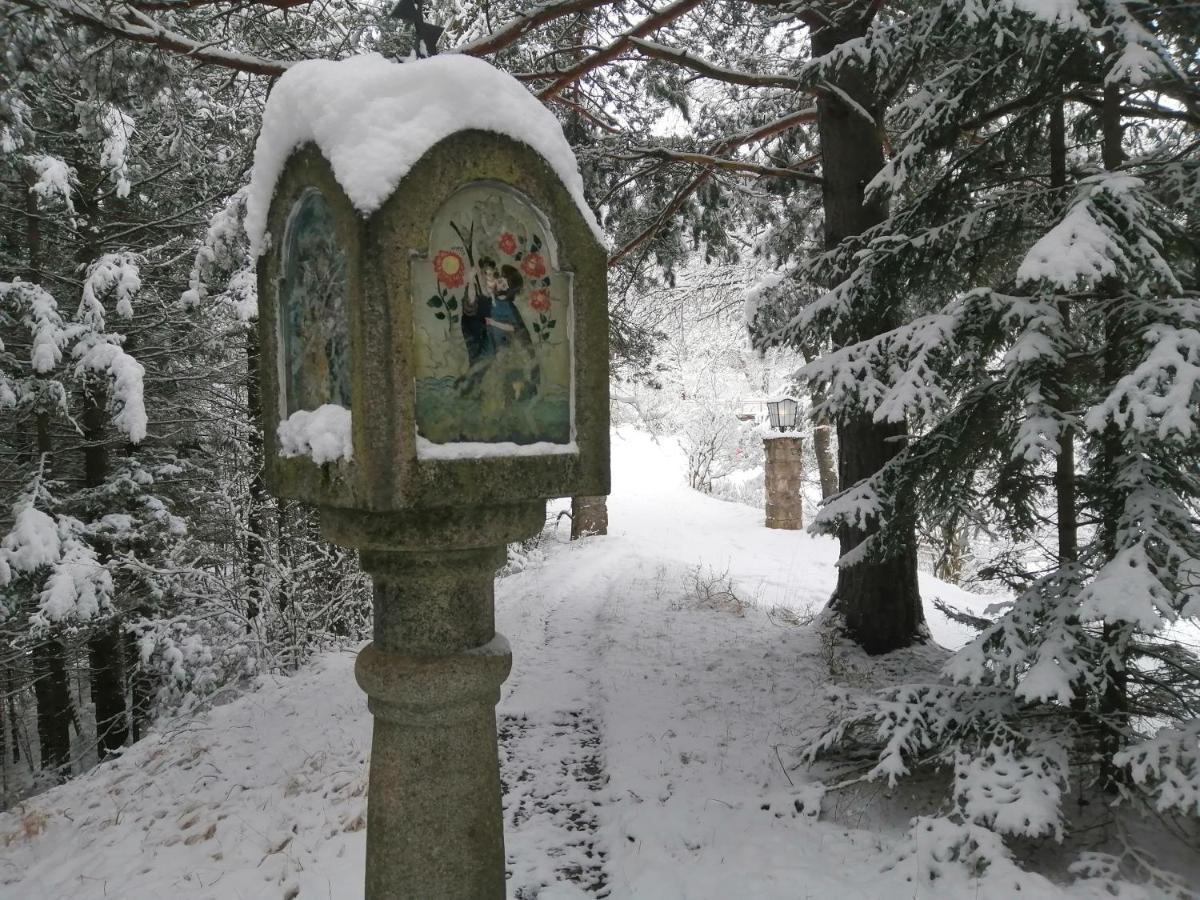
107	165
1043	220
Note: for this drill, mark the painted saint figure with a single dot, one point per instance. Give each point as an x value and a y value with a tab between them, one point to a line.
513	375
491	326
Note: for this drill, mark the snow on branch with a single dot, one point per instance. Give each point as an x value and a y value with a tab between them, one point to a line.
115	273
101	354
1167	765
535	17
127	22
1108	231
647	26
1161	396
226	251
711	70
39	314
78	587
53	180
891	376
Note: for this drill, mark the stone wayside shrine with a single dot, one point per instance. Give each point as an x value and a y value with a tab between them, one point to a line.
434	366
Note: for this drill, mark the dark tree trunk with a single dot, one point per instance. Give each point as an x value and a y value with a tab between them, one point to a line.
879	602
51	688
54	710
256	524
1114	702
106	654
1064	469
106	650
141	687
14	723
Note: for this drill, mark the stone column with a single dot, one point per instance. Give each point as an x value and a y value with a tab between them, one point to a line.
589	515
784	473
432	676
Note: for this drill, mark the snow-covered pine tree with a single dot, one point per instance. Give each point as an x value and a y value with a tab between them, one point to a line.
107	167
1051	371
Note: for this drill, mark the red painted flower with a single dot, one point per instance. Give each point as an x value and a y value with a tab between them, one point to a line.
533	265
449	268
507	243
539	300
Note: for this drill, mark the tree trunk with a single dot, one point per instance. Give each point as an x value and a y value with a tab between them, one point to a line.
1114	701
256	525
879	601
589	515
54	712
1064	469
106	650
823	449
141	686
14	724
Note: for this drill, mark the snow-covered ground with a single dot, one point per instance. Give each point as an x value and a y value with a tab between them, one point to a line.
647	727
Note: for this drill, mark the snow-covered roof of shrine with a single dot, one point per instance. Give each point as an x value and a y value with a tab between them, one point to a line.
373	119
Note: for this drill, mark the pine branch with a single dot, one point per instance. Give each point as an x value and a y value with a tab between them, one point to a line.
711	70
125	21
663	217
716	162
522	25
647	26
173	5
791	120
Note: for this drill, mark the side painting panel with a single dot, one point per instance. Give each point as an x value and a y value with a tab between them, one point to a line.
314	319
491	324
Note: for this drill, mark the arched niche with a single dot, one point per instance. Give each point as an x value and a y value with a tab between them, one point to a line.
314	322
492	324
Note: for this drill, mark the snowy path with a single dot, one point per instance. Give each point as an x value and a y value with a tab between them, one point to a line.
645	738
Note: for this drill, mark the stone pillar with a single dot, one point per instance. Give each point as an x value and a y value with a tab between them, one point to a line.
432	675
784	473
589	515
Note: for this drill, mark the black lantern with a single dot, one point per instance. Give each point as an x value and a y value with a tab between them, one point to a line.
782	413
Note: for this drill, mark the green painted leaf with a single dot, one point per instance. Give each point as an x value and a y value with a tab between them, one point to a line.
435	301
439	315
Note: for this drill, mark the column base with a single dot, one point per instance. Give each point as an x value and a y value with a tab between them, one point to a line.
434	819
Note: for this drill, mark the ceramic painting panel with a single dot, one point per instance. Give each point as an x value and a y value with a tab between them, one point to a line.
491	324
313	313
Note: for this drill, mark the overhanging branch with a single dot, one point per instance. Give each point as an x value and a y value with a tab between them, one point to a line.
649	25
132	24
711	70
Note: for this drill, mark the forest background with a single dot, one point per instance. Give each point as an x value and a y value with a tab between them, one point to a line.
976	225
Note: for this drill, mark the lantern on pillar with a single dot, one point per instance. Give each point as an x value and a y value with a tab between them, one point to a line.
782	413
785	466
